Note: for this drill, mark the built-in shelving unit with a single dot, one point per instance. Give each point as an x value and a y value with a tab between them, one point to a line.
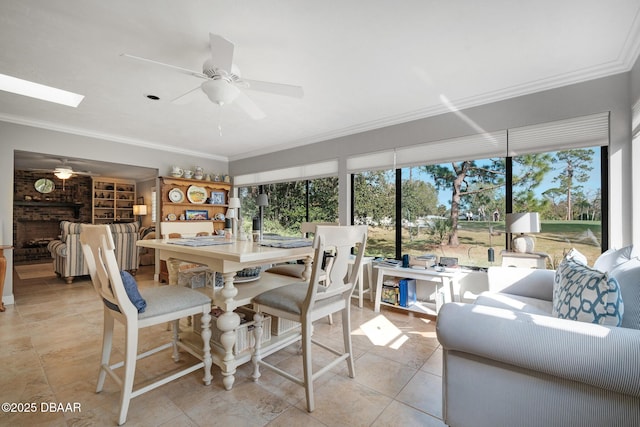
113	200
172	210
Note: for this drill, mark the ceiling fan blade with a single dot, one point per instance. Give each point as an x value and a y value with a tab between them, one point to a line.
250	107
186	98
275	88
162	64
221	52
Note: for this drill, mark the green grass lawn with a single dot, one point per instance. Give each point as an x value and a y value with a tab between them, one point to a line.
556	238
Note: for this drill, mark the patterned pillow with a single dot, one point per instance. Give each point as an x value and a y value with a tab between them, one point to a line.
587	295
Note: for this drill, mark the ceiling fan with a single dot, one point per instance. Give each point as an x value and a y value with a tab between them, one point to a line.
65	171
222	81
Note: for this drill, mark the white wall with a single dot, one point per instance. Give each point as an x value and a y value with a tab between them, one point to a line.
600	95
24	138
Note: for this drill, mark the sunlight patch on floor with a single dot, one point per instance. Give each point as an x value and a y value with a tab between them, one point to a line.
381	331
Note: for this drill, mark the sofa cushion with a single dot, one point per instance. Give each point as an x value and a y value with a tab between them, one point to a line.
627	275
515	302
587	295
612	258
577	256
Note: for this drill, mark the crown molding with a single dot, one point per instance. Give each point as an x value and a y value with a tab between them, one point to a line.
107	137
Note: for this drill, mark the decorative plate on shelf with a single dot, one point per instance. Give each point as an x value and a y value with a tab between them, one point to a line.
176	195
172	217
196	195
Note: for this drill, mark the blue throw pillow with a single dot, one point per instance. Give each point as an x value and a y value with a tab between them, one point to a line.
131	287
587	295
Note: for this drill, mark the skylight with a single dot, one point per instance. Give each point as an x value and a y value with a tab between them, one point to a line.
38	91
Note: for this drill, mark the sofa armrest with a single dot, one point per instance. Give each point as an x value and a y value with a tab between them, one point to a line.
601	356
526	282
57	247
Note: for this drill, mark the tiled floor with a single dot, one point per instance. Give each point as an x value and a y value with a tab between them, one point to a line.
49	352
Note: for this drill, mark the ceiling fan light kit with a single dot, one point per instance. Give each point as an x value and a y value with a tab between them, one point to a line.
223	83
220	91
63	173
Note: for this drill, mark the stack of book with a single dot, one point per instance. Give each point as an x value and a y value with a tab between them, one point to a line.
399	291
387	262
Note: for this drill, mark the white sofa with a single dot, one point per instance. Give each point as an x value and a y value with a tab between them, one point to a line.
508	362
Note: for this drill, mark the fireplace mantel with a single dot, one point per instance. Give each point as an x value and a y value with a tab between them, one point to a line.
75	206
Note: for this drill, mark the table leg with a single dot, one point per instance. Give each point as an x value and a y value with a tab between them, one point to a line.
376	305
306	274
3	271
228	322
206	347
370	280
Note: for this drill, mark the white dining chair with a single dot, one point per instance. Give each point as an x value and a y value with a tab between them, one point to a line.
306	302
163	304
307	229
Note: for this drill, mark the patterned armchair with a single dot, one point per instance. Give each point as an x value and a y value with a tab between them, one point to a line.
69	259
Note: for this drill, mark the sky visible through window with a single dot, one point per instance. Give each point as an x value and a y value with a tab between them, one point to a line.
590	187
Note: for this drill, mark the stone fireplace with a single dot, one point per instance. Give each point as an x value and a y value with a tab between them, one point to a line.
36	217
32	238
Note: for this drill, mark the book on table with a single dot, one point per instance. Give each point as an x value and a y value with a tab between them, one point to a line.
398	291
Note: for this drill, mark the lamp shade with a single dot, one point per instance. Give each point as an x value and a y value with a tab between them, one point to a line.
63	173
139	209
234	202
262	200
518	223
220	91
231	213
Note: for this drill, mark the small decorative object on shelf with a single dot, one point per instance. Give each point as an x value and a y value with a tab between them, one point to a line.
217	197
197	215
178	195
113	200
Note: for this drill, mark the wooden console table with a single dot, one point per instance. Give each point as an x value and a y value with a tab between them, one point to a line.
3	273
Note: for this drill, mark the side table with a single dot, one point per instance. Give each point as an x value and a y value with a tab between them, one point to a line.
3	272
447	285
524	260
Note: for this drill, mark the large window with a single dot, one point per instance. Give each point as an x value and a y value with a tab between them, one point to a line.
456	207
291	203
453	209
565	188
375	206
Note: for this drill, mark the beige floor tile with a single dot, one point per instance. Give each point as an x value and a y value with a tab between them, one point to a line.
424	393
50	352
345	402
399	414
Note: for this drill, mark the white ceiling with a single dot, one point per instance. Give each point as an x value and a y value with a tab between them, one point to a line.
363	64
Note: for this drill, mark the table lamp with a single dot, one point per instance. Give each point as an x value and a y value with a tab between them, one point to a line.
519	224
138	211
262	201
234	203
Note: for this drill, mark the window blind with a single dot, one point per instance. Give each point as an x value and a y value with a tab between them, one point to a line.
480	146
580	132
308	171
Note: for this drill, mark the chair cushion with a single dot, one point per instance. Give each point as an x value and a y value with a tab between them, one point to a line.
170	298
290	298
291	270
131	287
587	295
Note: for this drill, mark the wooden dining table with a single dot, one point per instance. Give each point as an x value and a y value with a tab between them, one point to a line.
227	258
